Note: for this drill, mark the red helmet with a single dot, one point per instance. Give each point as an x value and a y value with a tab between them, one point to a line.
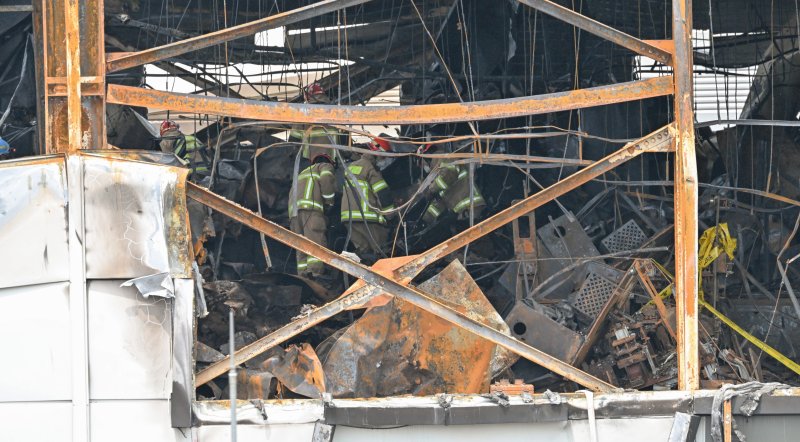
424	148
168	125
313	90
380	145
321	155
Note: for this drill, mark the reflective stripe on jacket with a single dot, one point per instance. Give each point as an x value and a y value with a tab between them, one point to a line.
372	193
453	186
315	188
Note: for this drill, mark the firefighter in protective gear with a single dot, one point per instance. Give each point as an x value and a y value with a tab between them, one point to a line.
451	191
314	194
187	148
365	195
314	138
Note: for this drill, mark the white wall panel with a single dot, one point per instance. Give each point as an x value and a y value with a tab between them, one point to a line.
129	343
35	340
36	422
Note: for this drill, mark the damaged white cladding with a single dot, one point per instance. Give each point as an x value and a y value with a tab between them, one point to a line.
87	358
84	357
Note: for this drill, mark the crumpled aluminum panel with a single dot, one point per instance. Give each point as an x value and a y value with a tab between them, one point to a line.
139	210
398	348
33	222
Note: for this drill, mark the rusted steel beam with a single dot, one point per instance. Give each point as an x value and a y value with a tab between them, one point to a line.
727	421
378	115
642	268
686	212
126	61
174	69
599	29
72	73
407	293
39	57
73	62
658	141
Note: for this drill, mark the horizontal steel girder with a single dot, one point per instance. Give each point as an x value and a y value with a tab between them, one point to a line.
390	285
122	61
378	115
599	29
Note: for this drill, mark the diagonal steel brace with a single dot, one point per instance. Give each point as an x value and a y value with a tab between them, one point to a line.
659	141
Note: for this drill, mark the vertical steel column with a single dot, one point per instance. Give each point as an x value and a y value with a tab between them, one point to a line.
73	71
72	31
38	57
685	200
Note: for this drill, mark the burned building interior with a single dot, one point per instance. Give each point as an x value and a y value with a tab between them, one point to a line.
586	275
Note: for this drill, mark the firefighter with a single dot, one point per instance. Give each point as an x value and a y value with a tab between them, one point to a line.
451	190
187	148
364	197
314	193
314	138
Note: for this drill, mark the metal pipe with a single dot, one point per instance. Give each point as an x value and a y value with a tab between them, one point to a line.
16	8
658	141
686	195
232	375
599	29
380	115
126	61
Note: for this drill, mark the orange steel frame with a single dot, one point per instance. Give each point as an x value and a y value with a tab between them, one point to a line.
71	68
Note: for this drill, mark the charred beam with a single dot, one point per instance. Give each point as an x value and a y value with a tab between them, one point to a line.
174	69
599	29
419	114
125	61
407	293
658	141
686	212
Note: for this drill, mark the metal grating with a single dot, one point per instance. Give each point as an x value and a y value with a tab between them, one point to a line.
593	294
628	237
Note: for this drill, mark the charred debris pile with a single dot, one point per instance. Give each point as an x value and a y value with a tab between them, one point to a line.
587	277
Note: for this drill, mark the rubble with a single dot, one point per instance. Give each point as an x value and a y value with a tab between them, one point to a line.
584	274
398	349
